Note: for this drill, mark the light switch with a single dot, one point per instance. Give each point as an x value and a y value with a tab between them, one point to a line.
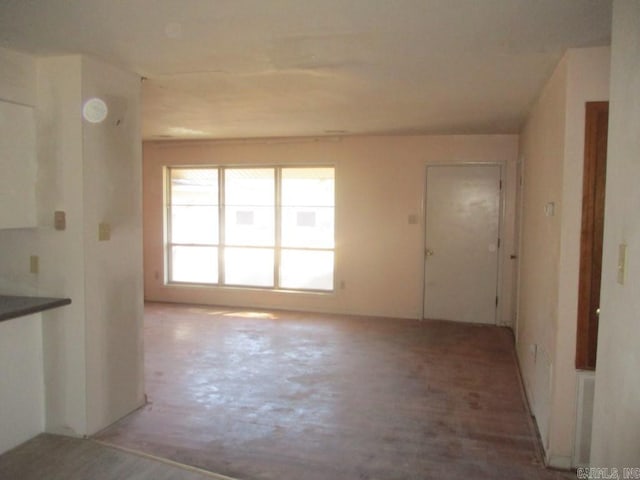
59	220
34	264
622	262
104	232
550	209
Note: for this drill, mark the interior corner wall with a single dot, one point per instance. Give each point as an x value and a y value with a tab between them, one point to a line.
587	81
52	87
552	146
542	151
85	367
616	420
112	194
380	182
92	172
59	187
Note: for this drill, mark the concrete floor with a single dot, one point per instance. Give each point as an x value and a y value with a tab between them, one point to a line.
261	395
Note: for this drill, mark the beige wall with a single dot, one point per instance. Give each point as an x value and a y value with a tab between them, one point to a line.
380	181
587	80
552	149
616	423
542	147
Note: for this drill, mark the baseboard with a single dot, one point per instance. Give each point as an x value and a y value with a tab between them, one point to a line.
62	430
559	461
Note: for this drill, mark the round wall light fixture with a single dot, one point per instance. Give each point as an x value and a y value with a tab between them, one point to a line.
95	110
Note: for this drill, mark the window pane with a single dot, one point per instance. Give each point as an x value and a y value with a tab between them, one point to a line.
249	186
308	186
306	222
307	227
249	266
307	212
250	206
310	227
306	269
249	225
194	186
194	224
194	264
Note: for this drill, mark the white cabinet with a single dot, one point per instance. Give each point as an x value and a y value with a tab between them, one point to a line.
18	166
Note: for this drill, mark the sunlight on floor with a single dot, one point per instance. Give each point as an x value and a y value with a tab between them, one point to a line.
269	316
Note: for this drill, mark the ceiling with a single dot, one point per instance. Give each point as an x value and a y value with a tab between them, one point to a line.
265	68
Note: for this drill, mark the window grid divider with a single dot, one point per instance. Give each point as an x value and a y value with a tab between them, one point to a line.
221	226
221	245
168	234
278	228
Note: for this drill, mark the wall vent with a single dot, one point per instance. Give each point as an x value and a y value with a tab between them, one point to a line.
585	393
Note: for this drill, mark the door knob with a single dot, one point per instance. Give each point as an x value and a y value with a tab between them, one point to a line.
427	252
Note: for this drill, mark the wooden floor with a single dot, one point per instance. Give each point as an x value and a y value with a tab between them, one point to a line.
263	395
53	457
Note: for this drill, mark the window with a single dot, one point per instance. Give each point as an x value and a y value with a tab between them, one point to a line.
252	227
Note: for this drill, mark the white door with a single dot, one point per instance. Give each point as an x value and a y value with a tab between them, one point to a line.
461	243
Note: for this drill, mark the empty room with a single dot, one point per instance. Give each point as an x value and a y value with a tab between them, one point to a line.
324	240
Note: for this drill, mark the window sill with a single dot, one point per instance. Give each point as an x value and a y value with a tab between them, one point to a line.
236	288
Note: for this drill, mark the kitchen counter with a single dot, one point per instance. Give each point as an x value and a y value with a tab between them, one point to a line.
16	306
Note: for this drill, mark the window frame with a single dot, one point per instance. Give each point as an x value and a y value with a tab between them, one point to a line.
221	245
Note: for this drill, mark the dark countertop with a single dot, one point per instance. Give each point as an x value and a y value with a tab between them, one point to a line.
12	306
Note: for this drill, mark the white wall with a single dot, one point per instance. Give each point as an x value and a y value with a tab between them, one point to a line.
552	148
17	77
21	380
60	165
91	349
17	84
18	166
380	181
92	172
21	368
112	183
616	423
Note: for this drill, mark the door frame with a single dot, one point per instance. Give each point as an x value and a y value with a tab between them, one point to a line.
517	247
501	226
590	270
